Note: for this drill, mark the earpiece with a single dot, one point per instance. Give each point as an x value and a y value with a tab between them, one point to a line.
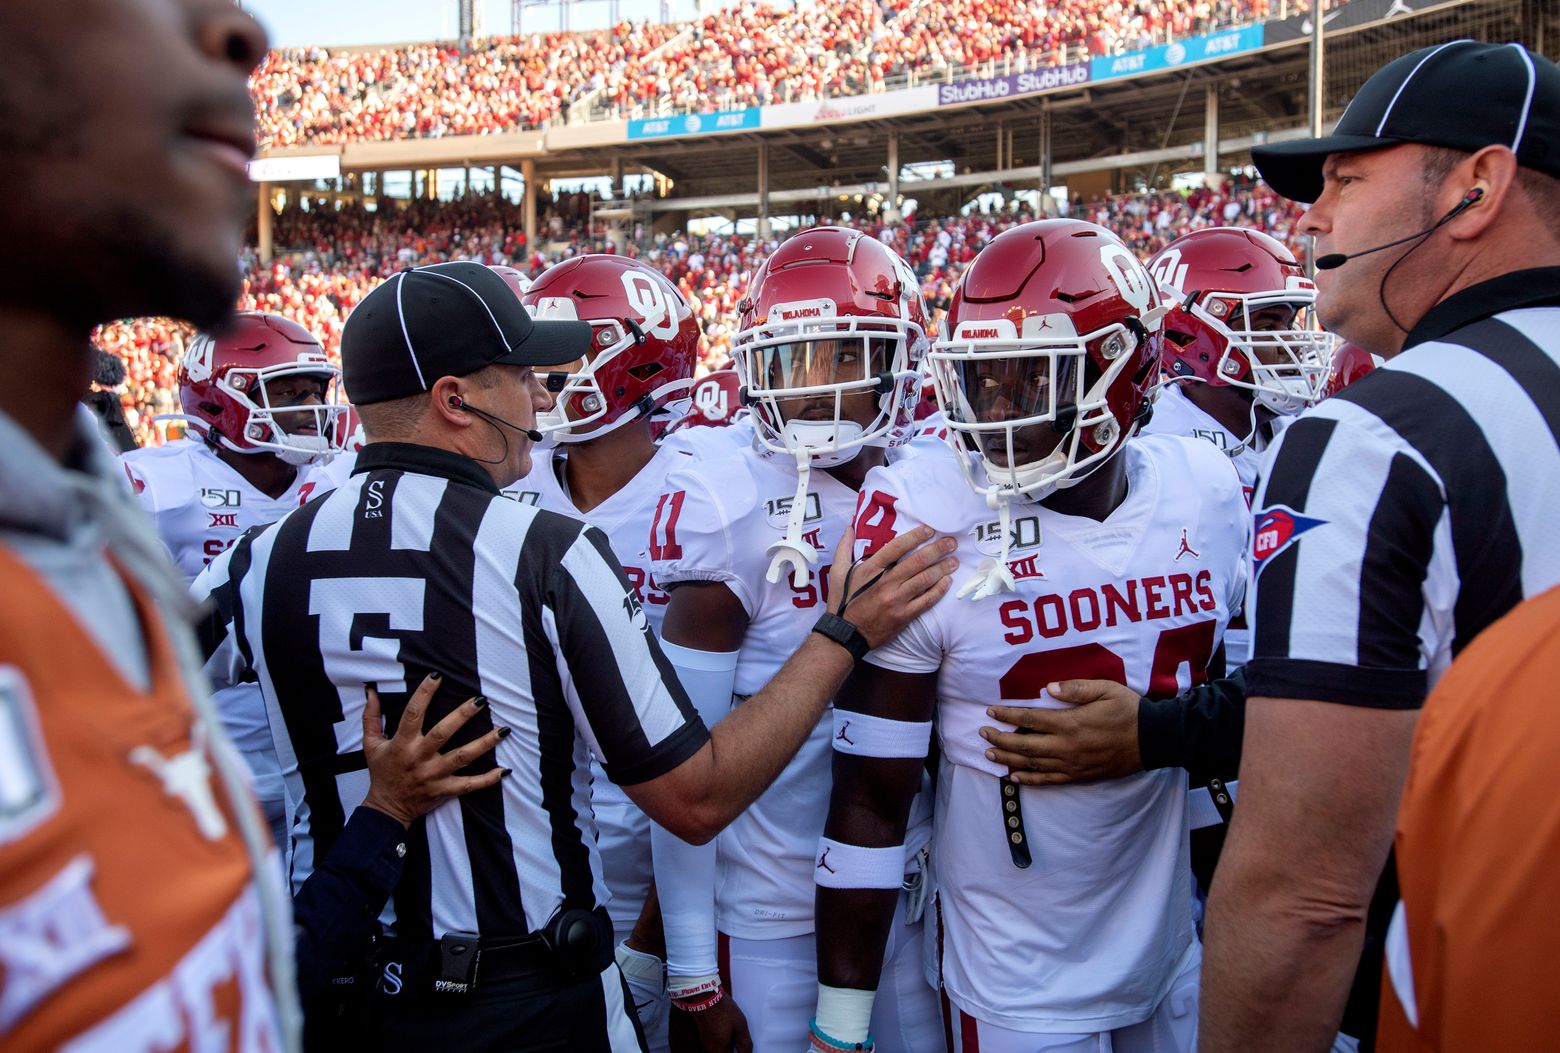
456	402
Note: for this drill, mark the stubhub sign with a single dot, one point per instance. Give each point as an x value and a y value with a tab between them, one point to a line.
1006	87
1179	53
694	124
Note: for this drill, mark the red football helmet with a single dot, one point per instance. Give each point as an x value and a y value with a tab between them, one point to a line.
1349	363
227	380
512	278
349	431
1055	323
646	342
831	313
715	400
1241	316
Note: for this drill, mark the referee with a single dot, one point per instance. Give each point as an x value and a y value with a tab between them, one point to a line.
1395	521
496	936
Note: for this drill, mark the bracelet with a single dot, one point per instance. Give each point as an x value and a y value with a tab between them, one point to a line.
842	632
699	1005
822	1043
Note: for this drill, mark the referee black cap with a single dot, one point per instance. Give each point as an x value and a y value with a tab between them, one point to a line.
449	319
1464	95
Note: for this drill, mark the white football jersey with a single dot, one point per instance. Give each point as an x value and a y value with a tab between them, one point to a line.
623	831
716	523
1175	414
200	506
327	477
1091	935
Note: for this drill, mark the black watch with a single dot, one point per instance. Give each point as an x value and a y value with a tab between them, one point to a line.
843	633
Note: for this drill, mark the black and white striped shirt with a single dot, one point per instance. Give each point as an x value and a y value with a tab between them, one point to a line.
415	564
1397	520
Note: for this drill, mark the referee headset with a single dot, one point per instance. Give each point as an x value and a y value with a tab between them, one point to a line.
1334	260
494	421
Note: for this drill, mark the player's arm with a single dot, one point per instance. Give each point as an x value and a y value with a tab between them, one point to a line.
748	749
702	634
883	727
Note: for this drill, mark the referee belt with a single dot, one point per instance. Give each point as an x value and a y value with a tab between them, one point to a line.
460	962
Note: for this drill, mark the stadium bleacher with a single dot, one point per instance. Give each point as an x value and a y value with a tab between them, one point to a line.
751	54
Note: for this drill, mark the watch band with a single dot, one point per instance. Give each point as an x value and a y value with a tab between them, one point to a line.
843	633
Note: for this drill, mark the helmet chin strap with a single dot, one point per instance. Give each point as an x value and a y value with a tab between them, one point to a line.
804	439
993	577
793	550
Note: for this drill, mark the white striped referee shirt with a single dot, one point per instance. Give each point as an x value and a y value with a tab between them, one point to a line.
415	564
1397	520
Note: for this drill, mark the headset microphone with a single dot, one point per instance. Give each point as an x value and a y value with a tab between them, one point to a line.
529	433
1334	260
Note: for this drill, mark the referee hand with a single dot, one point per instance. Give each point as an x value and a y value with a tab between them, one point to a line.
408	776
892	587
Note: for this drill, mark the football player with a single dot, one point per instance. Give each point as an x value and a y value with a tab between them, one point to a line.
259	398
832	331
1240	346
1063	918
1241	350
605	467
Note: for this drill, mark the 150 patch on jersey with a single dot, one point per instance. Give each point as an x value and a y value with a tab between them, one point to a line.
1277	528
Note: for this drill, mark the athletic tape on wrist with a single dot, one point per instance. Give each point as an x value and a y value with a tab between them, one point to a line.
852	866
867	736
639	967
844	1015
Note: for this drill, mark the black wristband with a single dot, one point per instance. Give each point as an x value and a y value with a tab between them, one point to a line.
843	633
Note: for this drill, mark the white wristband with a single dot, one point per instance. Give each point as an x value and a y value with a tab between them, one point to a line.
851	866
866	736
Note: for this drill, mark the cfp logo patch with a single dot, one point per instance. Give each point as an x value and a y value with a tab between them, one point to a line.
779	508
1025	534
1277	529
215	497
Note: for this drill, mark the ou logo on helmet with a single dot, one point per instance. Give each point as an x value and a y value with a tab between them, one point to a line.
1168	270
199	357
650	301
712	402
1129	276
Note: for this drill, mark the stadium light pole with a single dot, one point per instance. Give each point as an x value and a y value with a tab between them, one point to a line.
1318	19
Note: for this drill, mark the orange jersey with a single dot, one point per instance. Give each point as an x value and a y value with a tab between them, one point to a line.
1478	847
129	917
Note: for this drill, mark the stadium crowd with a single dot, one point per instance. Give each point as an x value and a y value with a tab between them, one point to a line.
330	258
751	55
